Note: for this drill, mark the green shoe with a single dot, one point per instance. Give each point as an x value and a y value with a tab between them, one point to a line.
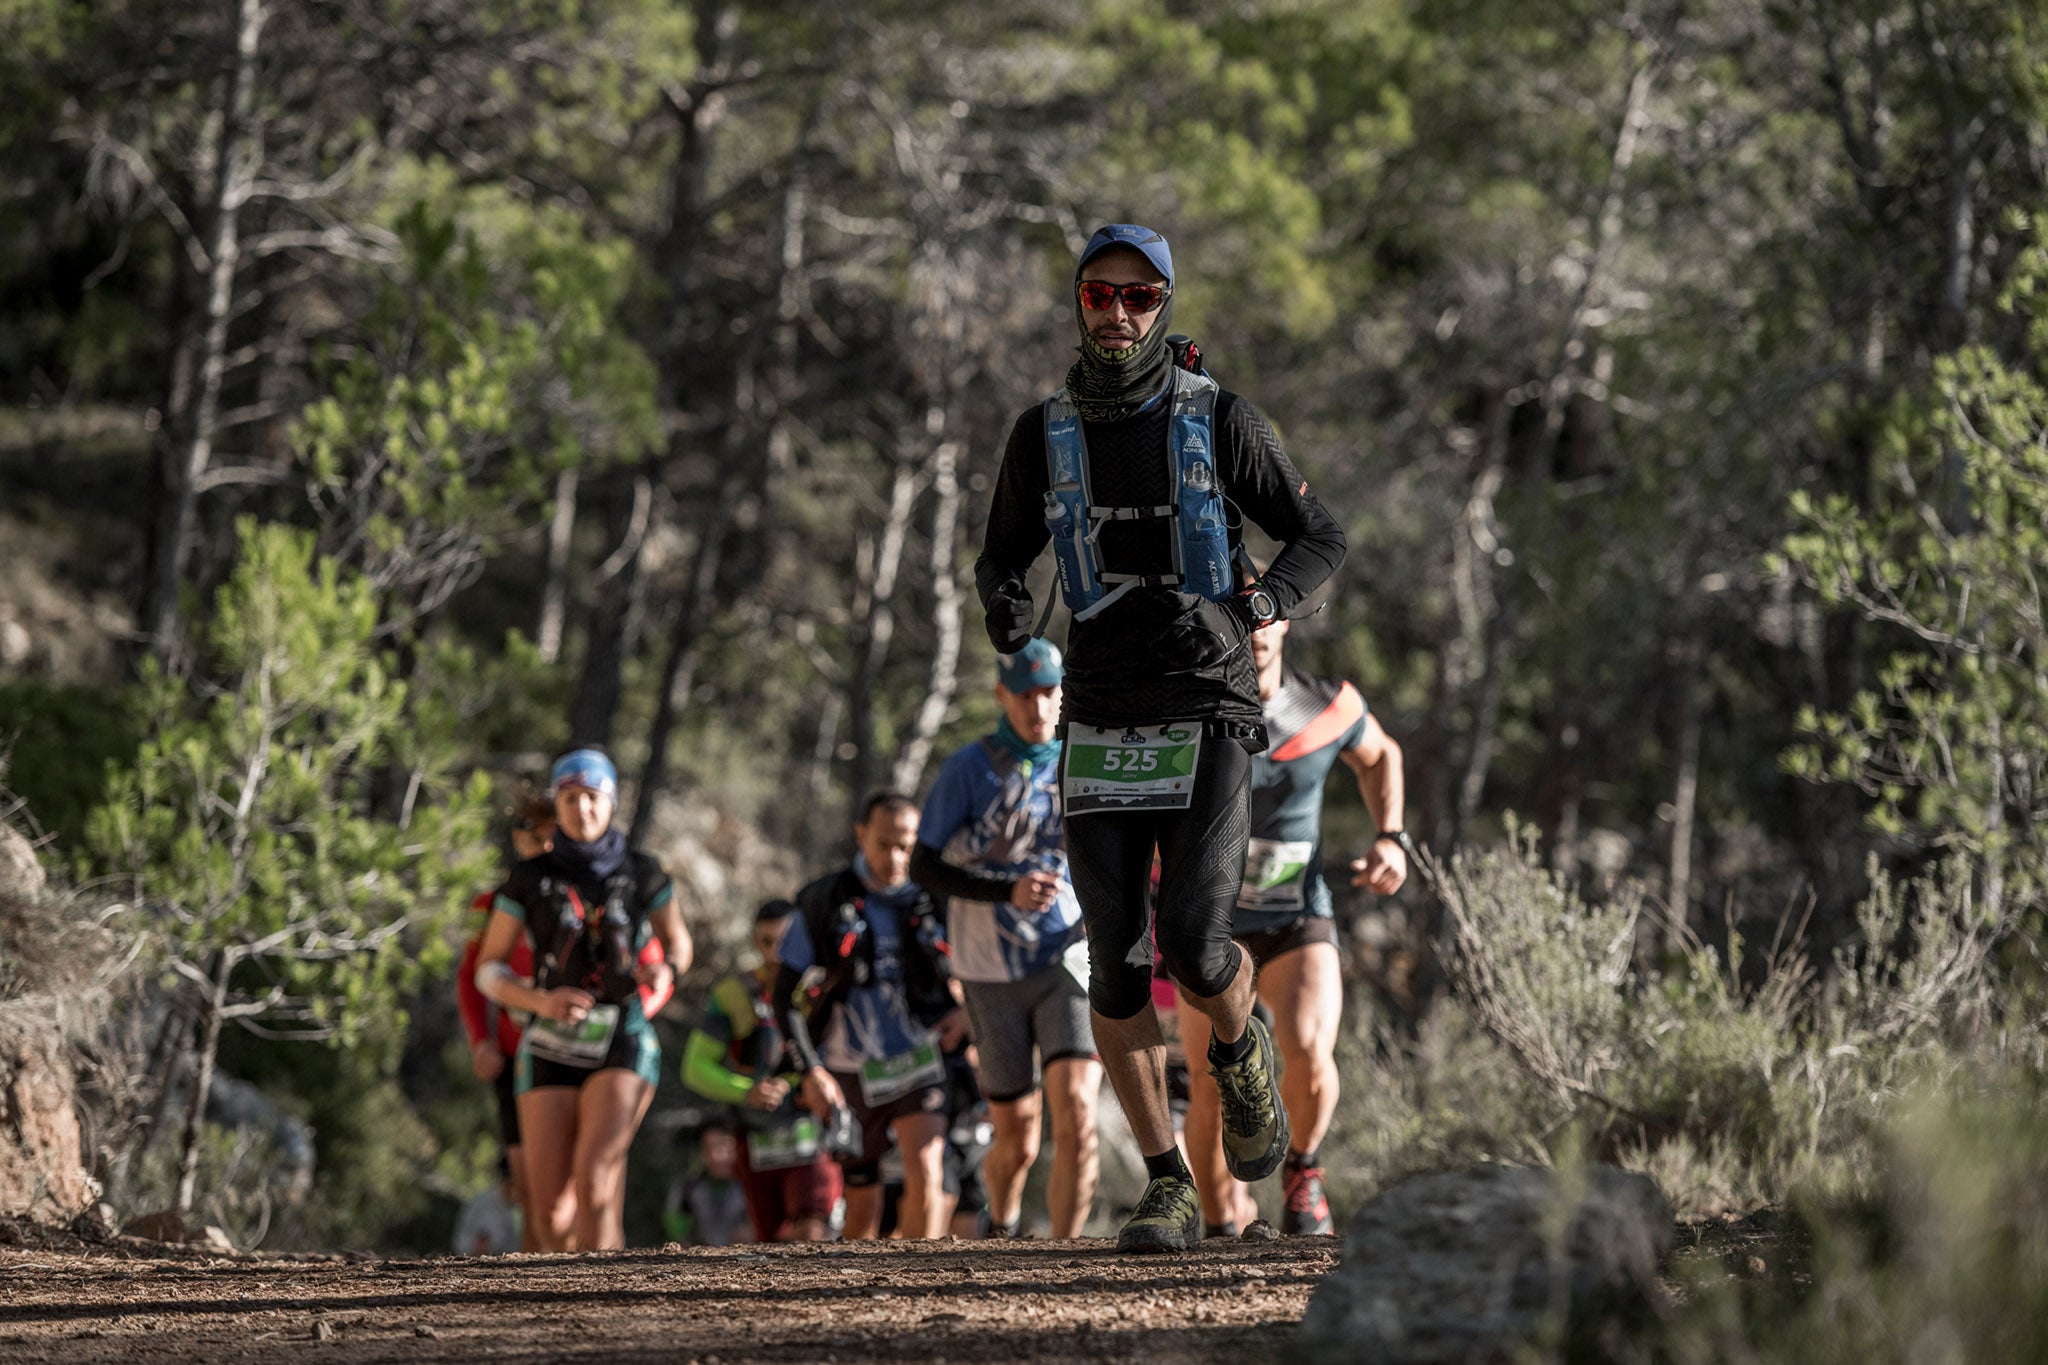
1254	1123
1168	1217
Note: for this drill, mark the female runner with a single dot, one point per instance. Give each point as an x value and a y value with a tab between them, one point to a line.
586	1067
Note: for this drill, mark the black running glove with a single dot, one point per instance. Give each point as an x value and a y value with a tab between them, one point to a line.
1238	608
1008	619
1202	634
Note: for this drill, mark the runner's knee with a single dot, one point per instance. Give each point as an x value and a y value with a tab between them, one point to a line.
1021	1144
1305	1043
1117	990
1203	959
1073	1130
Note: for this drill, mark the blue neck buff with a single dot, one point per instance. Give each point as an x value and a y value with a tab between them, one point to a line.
1037	755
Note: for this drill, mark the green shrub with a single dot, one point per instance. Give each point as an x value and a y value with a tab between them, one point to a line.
1945	1261
1735	1076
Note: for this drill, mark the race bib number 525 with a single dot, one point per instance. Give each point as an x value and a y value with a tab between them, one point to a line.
1135	768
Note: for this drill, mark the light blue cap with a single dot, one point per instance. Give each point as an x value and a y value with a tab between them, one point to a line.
585	768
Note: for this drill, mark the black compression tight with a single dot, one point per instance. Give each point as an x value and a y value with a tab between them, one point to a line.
1201	867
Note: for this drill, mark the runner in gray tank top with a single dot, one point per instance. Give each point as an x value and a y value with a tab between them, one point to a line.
1284	919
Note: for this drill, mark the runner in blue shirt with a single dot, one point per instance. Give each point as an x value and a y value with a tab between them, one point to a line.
1284	918
867	1006
992	841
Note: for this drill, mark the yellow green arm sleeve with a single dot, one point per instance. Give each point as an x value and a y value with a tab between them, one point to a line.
705	1072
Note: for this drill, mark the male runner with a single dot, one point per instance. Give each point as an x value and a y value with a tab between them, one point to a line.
737	1055
863	973
1141	474
1284	919
991	840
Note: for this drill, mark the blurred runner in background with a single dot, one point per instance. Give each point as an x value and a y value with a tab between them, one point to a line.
737	1056
1284	918
587	1064
992	841
864	997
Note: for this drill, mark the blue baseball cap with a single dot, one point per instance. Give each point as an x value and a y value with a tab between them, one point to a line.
1038	664
585	768
1143	240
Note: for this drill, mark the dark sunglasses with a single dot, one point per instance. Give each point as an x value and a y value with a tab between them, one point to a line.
1098	295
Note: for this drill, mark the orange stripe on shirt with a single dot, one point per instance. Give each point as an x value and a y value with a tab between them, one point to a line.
1340	715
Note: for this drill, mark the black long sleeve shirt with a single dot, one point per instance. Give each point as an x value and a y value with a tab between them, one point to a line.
1128	664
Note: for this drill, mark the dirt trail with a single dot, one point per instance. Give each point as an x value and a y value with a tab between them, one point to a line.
1070	1301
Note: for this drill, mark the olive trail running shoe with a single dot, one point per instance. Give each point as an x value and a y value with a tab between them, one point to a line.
1168	1217
1254	1123
1308	1207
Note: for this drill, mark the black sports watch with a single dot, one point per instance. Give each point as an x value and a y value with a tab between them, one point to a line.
1263	608
1399	836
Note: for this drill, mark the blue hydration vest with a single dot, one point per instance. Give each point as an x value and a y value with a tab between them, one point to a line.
1201	549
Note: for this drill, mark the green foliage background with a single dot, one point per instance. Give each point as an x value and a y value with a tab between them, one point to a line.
635	372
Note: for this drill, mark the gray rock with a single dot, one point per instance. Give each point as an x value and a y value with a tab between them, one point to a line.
1469	1266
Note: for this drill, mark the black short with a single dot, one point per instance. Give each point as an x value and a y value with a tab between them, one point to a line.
964	1180
1268	944
873	1124
508	1104
1201	871
632	1049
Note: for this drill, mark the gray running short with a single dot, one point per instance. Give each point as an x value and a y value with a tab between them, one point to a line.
1046	1011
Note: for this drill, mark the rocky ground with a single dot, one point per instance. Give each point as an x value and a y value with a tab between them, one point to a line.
65	1300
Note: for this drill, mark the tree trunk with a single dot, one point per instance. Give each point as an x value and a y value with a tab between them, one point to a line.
943	683
879	631
195	410
205	1048
1485	726
168	1056
678	671
741	482
1685	779
554	588
1607	227
1472	670
1559	798
823	750
596	705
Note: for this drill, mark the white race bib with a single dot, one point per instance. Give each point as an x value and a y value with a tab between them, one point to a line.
789	1144
1133	768
887	1078
1276	874
583	1044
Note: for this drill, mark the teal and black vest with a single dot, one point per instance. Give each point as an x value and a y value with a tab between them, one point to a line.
1201	545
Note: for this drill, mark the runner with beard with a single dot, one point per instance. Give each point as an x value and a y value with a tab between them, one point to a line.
1285	917
1140	475
863	996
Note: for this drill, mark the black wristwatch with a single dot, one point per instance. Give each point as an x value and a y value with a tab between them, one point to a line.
1399	836
1263	608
